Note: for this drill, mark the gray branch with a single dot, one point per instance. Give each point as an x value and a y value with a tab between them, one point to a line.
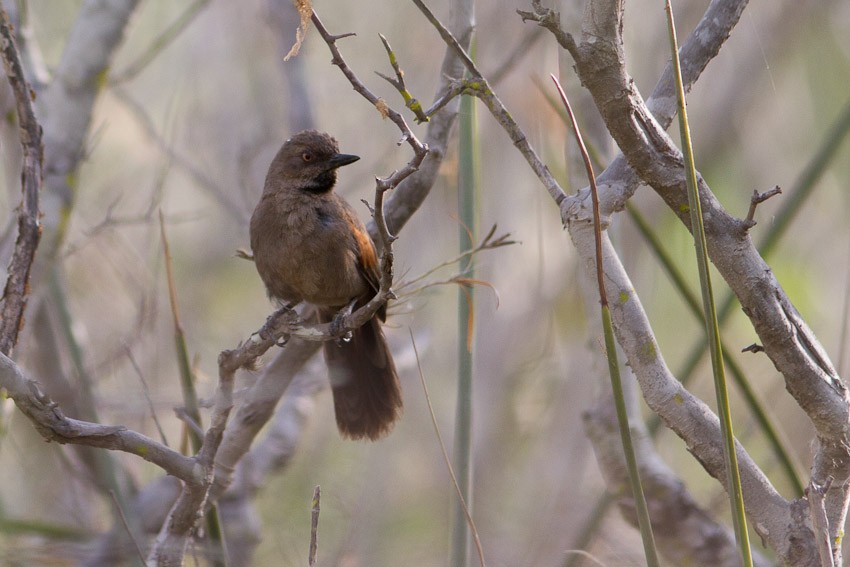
795	351
788	341
53	425
16	289
65	107
685	533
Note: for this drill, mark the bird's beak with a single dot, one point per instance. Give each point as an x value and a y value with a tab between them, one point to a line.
340	160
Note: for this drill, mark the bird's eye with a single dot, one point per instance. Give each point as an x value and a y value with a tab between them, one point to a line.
307	156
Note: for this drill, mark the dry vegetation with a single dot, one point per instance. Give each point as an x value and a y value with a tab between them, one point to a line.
191	133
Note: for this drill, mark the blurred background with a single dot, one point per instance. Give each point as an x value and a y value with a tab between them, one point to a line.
192	133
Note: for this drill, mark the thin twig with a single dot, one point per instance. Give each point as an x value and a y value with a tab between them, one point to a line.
550	20
446	458
644	522
187	380
409	100
478	86
173	538
314	526
757	199
127	526
487	243
419	149
147	393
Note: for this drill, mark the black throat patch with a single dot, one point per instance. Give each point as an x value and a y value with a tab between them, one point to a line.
322	183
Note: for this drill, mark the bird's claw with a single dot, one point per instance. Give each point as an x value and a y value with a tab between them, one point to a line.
337	323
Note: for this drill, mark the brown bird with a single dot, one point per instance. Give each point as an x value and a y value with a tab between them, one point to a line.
310	246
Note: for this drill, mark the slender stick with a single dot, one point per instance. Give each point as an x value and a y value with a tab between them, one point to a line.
314	526
644	522
446	459
733	475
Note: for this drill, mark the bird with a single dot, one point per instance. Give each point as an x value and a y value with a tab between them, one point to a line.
310	246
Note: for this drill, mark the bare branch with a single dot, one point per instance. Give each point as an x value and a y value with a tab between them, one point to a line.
479	87
418	148
550	20
173	538
67	103
53	425
29	228
788	341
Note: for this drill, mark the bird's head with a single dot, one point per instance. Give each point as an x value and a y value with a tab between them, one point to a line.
308	162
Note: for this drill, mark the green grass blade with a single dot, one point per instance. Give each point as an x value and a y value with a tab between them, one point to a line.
190	399
618	394
467	237
733	476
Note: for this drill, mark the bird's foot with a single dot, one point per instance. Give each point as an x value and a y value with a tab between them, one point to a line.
337	323
283	318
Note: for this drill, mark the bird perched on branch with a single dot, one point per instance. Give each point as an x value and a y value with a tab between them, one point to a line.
309	245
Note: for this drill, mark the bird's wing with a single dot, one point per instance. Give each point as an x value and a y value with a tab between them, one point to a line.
368	257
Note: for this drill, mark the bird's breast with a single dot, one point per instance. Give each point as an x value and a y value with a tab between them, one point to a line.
303	251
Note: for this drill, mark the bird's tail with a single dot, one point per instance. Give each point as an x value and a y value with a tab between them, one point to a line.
367	395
